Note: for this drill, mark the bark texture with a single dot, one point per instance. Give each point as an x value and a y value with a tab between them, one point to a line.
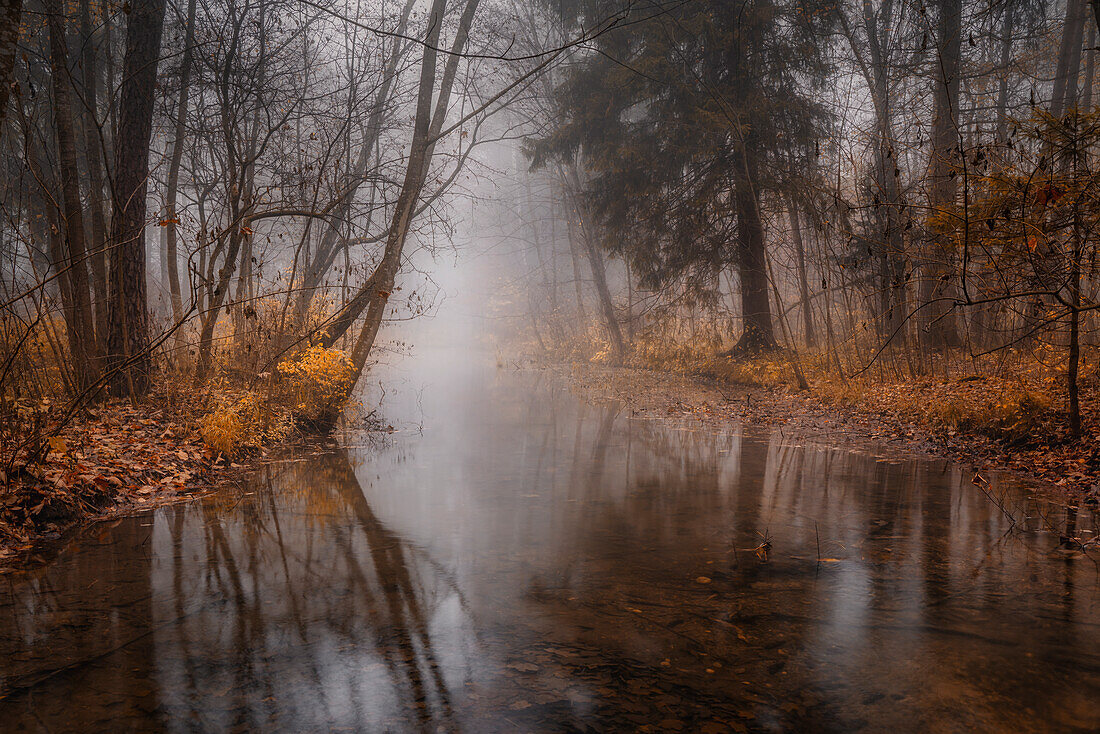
940	327
757	333
128	337
10	13
73	260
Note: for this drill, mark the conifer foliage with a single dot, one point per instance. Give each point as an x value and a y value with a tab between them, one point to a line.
689	123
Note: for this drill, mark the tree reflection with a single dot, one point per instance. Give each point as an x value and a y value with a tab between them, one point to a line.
546	564
882	570
296	607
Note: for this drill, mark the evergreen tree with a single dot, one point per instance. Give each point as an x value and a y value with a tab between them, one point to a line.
687	122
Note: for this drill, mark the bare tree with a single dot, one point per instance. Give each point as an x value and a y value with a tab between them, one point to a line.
373	295
128	339
71	262
937	286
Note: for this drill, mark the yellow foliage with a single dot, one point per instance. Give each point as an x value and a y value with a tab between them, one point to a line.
38	349
763	371
222	431
318	383
666	352
314	389
1012	416
247	422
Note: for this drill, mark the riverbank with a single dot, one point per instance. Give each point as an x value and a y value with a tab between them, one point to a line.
929	419
585	569
114	460
60	470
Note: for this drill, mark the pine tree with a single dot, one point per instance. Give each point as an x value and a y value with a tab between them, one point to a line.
687	122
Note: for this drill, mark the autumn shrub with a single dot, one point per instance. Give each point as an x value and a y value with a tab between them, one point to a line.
222	431
247	421
37	353
1015	415
658	352
310	389
317	384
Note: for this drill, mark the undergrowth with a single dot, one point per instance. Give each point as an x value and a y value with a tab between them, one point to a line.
1016	398
308	390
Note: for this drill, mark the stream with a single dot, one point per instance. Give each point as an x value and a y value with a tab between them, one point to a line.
514	558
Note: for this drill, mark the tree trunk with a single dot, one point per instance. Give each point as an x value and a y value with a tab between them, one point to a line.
1085	102
1069	60
757	334
374	294
595	262
78	314
10	13
93	153
1074	357
172	186
1073	63
574	257
239	172
1002	83
414	181
128	340
889	209
940	328
329	246
217	299
803	282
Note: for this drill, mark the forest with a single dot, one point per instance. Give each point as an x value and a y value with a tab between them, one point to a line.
549	365
212	210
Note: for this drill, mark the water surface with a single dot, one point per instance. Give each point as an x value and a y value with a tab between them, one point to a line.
516	559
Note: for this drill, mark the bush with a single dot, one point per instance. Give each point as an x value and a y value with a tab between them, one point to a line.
317	385
245	423
313	391
1014	416
222	431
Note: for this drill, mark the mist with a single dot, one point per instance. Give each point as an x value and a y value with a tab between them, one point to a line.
549	365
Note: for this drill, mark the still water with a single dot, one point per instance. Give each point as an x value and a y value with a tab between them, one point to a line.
513	558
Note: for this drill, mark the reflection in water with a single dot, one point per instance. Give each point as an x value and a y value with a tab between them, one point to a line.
531	562
291	607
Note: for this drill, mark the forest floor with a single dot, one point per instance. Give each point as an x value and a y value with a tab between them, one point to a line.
893	415
114	460
62	468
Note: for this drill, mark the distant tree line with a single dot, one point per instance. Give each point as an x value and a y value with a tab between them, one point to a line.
199	189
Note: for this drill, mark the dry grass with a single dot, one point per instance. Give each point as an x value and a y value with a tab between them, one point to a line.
309	389
1015	398
1010	413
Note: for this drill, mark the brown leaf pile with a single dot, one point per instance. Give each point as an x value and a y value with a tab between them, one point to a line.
116	458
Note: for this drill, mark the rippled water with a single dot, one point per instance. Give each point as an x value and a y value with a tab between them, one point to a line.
514	559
